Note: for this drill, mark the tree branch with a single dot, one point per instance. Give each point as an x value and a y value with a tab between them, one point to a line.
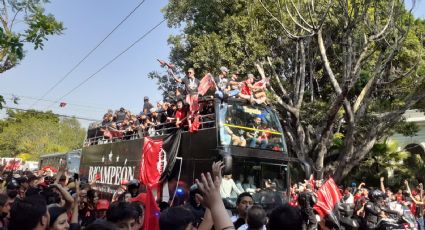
326	63
294	20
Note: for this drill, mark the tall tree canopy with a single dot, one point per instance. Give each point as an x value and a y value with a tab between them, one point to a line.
346	69
36	133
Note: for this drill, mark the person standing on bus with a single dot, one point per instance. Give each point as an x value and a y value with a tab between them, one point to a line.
228	187
191	88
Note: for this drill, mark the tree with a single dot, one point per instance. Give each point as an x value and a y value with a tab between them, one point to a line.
383	160
350	67
36	133
23	22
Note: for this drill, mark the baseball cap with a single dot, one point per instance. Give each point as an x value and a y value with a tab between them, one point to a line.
146	98
224	69
250	75
102	204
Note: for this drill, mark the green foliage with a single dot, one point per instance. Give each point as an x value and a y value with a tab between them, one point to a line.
408	129
383	157
2	101
40	26
35	29
36	133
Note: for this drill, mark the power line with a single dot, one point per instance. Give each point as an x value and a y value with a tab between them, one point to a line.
109	62
59	115
93	108
87	55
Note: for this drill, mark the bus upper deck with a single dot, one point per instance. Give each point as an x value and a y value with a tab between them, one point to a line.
236	122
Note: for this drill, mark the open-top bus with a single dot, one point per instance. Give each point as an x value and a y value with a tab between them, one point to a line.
249	137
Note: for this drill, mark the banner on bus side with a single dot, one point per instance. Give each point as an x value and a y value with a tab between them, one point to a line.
111	164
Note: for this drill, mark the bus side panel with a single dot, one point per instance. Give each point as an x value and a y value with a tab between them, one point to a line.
198	151
110	164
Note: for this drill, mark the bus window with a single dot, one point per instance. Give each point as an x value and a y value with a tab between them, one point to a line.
251	126
266	182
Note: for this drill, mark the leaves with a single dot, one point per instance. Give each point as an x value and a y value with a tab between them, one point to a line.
35	133
35	30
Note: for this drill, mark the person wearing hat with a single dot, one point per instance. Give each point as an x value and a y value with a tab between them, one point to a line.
147	106
102	206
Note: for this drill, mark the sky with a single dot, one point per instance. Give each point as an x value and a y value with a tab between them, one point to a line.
123	83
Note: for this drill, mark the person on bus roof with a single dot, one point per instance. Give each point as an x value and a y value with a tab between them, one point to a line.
191	89
181	114
146	105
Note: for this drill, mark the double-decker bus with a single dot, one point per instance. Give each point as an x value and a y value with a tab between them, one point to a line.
248	137
54	161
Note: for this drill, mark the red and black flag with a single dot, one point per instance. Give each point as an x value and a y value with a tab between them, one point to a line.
328	197
159	156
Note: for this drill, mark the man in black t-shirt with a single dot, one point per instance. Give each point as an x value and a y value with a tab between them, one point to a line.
191	90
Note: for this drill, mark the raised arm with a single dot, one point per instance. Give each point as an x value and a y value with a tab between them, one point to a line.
211	197
419	202
382	184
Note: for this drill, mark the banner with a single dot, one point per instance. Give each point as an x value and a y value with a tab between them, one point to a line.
327	197
150	168
205	84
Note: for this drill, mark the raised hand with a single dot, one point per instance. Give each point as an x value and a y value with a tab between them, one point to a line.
210	189
217	168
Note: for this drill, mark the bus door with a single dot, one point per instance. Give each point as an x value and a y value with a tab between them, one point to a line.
273	187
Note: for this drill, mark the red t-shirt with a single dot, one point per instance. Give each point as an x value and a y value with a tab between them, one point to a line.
245	89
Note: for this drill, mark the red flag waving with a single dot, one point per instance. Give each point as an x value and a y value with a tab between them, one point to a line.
327	197
149	170
151	221
205	84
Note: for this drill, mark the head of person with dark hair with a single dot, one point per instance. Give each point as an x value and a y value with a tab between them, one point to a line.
5	205
50	196
243	202
58	219
141	213
176	218
285	217
122	215
30	213
92	196
31	191
256	217
125	197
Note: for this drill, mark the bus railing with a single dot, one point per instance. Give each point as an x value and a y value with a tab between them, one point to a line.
153	131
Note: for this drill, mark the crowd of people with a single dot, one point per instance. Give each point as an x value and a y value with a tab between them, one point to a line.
184	110
32	200
152	120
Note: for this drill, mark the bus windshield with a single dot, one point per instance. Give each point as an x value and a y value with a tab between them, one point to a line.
251	126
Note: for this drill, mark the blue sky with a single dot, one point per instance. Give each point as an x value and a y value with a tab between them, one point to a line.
121	84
